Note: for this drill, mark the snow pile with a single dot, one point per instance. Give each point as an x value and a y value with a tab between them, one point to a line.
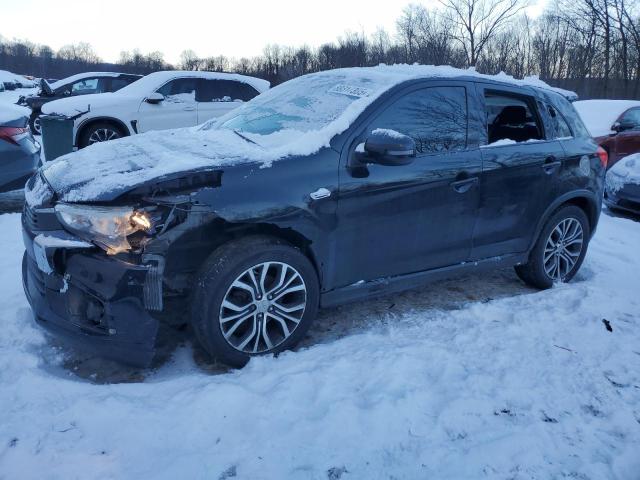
496	381
625	172
600	115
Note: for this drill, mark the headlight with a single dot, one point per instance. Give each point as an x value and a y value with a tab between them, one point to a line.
107	227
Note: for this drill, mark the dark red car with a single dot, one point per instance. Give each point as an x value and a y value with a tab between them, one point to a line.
614	124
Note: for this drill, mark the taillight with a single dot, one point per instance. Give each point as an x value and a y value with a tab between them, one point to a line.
604	156
12	134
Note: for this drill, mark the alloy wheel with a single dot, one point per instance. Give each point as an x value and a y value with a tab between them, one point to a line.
103	135
37	127
263	307
563	249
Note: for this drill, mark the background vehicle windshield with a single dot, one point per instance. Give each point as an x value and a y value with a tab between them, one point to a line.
305	104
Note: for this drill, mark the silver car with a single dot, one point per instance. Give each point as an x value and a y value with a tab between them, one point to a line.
19	151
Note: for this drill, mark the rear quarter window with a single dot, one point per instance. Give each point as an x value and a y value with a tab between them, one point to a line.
569	114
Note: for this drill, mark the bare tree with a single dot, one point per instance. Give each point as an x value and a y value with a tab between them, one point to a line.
478	21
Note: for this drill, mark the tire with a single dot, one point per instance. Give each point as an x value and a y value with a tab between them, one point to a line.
34	123
102	130
558	248
226	277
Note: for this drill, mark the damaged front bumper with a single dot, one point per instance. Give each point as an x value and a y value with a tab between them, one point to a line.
98	302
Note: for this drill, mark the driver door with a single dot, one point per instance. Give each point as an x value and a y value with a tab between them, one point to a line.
178	109
394	220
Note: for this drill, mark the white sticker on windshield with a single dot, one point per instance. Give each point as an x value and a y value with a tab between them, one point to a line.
351	90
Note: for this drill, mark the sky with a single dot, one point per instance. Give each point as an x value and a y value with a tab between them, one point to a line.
234	28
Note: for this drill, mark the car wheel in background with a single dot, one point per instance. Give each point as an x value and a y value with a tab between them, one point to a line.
559	250
34	124
98	133
253	296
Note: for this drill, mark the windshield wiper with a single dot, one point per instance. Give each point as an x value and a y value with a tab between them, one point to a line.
244	138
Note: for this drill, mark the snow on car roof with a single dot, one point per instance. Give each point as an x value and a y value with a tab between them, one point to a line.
80	76
156	79
335	98
599	115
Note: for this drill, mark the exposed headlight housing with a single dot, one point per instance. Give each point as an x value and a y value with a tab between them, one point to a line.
107	227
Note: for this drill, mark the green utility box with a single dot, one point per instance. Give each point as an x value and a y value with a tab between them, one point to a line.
57	135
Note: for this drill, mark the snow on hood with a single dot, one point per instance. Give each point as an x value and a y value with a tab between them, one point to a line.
599	115
624	172
9	77
106	170
72	106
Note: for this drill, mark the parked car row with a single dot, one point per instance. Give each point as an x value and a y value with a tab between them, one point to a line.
158	101
81	84
332	187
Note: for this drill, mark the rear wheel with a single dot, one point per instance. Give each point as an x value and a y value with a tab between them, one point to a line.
254	296
100	132
560	249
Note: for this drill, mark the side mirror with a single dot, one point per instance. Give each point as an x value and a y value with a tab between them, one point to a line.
388	147
622	126
154	98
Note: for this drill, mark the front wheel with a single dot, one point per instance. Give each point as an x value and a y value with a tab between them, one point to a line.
559	250
254	296
99	132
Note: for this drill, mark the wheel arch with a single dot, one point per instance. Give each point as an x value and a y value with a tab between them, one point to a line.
583	199
102	119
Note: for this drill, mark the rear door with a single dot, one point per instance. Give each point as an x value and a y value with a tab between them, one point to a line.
178	109
217	97
520	171
394	220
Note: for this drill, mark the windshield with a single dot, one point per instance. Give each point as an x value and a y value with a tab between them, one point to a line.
304	104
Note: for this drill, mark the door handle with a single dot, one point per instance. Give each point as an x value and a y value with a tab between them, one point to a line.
550	165
189	109
464	185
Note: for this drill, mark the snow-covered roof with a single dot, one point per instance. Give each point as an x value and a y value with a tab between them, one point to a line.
599	115
156	79
80	76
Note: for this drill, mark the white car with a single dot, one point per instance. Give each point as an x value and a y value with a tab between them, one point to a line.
159	101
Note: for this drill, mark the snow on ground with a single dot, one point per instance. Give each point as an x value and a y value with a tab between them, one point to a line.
474	378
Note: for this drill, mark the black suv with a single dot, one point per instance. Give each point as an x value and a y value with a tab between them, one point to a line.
81	84
333	187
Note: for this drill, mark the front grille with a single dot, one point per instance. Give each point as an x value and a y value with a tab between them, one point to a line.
40	219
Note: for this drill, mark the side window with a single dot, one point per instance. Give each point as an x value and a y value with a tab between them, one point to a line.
511	117
118	83
560	126
180	90
435	117
632	117
225	91
88	85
